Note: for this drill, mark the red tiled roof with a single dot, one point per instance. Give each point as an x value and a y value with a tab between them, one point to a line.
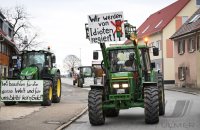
189	26
161	17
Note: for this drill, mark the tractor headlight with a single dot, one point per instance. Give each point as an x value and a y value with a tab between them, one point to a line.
115	85
124	85
22	77
29	77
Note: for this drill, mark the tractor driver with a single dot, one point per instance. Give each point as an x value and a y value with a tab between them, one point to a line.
130	63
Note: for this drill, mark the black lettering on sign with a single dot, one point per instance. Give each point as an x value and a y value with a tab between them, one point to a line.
95	19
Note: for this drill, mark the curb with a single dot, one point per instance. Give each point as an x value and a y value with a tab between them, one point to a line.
72	119
193	93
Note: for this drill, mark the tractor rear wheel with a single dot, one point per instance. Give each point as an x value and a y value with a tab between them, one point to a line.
57	91
95	103
74	82
80	82
8	103
112	112
47	93
161	97
151	104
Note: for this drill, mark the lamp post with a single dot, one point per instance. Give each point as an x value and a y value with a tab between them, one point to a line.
146	40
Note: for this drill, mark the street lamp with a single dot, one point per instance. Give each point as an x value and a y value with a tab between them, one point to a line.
146	40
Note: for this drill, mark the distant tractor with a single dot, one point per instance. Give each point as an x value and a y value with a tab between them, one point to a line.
35	68
86	73
129	81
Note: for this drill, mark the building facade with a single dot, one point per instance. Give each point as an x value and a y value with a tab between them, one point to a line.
7	46
159	27
187	53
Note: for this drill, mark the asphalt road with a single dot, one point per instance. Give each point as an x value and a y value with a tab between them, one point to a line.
182	113
32	116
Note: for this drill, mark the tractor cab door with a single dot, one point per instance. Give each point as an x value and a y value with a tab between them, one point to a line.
15	66
146	64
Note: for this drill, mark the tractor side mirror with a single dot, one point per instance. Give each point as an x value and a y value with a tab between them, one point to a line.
53	58
153	65
95	55
155	51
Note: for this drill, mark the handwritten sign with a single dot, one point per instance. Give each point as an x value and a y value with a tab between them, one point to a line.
22	90
107	27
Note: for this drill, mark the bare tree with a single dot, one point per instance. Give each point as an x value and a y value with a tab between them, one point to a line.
19	19
71	61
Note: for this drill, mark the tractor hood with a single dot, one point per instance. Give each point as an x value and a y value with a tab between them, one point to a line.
122	75
29	71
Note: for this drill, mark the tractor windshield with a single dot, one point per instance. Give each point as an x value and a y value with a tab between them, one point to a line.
86	71
33	58
122	60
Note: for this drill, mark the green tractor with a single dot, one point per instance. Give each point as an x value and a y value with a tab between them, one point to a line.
36	67
86	73
129	82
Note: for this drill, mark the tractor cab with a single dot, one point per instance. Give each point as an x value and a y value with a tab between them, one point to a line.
86	76
40	59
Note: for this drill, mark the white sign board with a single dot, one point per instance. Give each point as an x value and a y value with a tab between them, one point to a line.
22	90
107	27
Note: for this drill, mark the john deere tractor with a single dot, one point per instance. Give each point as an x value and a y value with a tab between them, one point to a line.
86	73
36	67
130	81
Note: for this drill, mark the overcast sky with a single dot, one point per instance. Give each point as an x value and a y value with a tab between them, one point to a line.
61	23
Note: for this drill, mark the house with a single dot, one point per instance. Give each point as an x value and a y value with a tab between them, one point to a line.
159	27
7	46
187	53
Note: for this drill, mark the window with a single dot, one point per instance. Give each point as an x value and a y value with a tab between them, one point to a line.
1	24
151	46
158	24
191	45
10	32
198	42
145	29
181	73
184	19
181	47
157	44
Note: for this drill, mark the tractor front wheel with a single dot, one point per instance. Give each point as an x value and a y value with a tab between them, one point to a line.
47	93
151	104
161	97
57	92
95	103
80	82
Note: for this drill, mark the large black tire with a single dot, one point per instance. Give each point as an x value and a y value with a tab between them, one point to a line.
151	104
95	103
8	103
80	83
47	93
161	96
74	82
112	113
57	91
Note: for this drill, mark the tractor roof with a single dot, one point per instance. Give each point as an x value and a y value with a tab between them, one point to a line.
125	47
41	51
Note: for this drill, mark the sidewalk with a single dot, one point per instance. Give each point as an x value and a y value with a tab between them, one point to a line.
172	87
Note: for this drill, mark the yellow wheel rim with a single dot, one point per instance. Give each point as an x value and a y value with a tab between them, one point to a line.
58	87
50	93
